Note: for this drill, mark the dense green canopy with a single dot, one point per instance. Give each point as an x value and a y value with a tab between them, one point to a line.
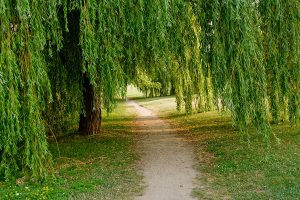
240	55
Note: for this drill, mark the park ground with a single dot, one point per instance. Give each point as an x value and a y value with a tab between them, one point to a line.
229	165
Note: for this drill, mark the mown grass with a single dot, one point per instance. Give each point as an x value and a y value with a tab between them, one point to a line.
96	167
230	167
133	92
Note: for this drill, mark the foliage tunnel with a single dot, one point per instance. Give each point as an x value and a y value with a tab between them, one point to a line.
63	61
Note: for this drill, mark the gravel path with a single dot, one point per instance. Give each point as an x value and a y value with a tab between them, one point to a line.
166	160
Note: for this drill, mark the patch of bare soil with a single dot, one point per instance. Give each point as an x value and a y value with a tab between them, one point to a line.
166	159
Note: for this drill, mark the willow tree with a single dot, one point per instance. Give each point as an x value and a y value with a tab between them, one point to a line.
66	59
250	49
24	84
103	44
63	61
233	55
281	39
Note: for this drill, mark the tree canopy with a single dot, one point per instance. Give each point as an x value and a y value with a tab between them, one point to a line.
62	61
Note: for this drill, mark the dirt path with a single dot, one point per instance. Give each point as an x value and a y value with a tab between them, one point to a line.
167	161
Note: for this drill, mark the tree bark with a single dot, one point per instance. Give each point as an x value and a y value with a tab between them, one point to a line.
90	120
71	56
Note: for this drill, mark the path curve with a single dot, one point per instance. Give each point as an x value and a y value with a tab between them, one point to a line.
166	160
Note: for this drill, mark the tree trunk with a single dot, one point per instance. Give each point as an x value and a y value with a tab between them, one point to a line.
90	120
71	56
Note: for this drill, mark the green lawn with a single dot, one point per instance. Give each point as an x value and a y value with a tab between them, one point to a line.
97	167
105	166
230	167
133	92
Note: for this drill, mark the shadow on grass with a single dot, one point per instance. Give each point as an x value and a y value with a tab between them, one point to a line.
95	167
243	166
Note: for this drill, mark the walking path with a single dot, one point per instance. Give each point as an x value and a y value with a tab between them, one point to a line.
166	160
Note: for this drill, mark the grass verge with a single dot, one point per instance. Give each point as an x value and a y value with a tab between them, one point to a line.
96	167
229	166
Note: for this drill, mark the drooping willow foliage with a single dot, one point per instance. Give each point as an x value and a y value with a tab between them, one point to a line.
250	49
242	55
25	29
281	39
233	56
146	85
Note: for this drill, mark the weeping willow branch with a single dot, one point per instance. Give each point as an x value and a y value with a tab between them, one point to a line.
242	55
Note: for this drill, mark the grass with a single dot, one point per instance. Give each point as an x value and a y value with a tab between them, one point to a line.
105	166
133	92
229	166
96	167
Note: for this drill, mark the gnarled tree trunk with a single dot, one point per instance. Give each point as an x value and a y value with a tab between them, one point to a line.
90	120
